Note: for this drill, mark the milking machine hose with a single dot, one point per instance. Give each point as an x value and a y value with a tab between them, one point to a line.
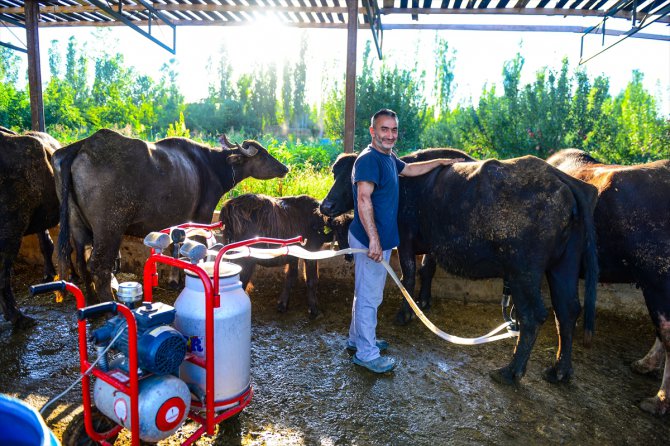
87	372
300	252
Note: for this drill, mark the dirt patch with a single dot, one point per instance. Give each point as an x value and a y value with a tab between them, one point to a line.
308	392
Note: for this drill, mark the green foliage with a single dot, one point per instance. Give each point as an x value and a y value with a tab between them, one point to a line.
394	88
14	104
376	88
333	111
178	128
445	63
556	111
560	108
301	179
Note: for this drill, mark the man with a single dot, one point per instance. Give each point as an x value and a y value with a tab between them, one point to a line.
375	228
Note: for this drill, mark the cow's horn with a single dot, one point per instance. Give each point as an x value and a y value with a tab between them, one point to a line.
225	143
248	149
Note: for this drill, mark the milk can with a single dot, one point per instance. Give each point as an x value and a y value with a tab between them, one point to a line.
232	333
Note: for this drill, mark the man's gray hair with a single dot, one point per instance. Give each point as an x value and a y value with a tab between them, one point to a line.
383	112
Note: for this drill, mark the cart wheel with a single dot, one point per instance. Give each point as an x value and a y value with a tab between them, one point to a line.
75	433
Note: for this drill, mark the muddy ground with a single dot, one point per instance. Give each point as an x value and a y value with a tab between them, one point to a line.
308	392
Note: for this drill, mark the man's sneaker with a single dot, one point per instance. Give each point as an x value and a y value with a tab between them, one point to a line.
381	364
381	345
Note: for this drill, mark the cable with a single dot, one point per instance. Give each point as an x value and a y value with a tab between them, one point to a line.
100	356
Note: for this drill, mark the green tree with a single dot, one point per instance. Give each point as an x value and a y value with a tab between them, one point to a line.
394	88
445	63
300	118
14	104
287	95
333	112
264	96
642	135
439	131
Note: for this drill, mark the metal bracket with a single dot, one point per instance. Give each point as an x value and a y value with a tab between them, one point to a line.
13	47
153	12
374	18
9	45
636	26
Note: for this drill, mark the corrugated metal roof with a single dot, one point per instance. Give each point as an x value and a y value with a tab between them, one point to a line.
318	13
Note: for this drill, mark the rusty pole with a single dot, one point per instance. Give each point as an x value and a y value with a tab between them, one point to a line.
350	98
32	10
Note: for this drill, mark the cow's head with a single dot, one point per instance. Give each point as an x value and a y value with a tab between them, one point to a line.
340	228
340	198
251	159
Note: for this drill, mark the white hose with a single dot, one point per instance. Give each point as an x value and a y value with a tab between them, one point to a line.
298	251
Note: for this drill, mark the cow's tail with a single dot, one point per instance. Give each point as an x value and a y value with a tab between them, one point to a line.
587	197
64	159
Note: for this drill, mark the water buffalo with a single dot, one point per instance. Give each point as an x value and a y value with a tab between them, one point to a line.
517	219
250	215
111	185
28	205
428	263
632	221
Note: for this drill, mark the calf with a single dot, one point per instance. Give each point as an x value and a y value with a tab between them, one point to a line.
632	221
28	205
250	215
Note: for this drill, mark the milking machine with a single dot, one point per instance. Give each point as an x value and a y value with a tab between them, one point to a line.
158	365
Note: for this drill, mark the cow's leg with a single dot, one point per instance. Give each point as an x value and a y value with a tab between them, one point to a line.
563	282
116	269
248	267
9	249
105	249
658	304
67	268
660	403
426	273
312	279
47	249
531	313
652	361
408	266
80	239
289	281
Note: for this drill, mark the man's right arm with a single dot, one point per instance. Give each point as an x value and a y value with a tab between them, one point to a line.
367	215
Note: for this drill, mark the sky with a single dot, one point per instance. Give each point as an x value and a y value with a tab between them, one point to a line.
479	55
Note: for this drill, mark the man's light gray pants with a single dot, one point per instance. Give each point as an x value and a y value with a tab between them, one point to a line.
368	294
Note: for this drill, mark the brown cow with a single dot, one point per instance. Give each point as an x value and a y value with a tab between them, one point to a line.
111	185
250	215
632	221
28	205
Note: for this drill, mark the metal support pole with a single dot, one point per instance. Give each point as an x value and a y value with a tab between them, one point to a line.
350	97
32	10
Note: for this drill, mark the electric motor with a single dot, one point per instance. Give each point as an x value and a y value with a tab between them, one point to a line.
160	348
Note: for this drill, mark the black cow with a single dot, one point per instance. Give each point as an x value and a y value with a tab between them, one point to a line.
517	219
28	205
632	220
428	263
250	215
111	185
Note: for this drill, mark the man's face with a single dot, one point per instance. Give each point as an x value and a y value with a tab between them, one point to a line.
384	133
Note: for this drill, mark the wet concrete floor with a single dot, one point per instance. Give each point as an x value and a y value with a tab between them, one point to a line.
307	391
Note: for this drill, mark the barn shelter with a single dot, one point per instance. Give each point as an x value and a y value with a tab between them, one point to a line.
616	19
